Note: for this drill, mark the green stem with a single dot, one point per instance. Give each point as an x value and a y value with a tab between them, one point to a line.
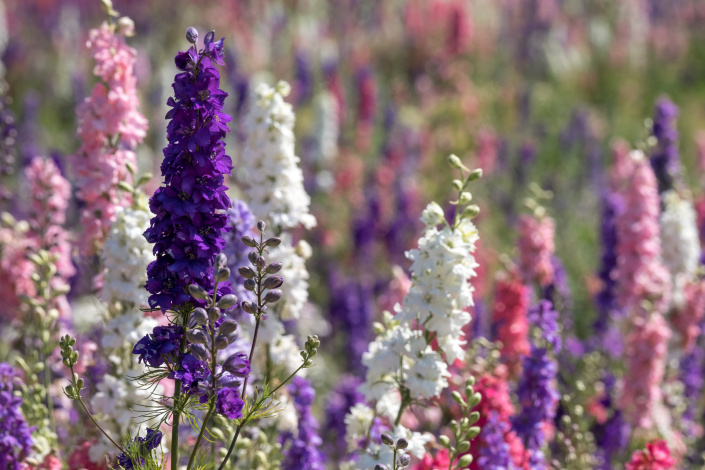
404	404
176	415
200	434
394	459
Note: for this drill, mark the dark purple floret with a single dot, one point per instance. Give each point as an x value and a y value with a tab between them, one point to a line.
189	220
302	452
665	159
162	345
192	373
229	404
545	319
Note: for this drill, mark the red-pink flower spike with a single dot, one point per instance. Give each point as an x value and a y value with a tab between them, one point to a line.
536	245
511	304
646	350
640	272
656	456
110	126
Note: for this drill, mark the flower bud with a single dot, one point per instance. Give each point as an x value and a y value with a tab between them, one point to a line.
253	256
197	291
273	296
273	282
444	441
221	342
471	212
227	327
209	38
457	397
214	314
475	174
381	466
261	262
457	185
196	336
221	260
273	268
249	241
199	352
274	241
192	35
465	198
222	275
261	225
473	432
402	443
248	306
250	284
126	26
404	460
464	446
455	162
246	272
465	461
199	316
237	365
227	301
387	439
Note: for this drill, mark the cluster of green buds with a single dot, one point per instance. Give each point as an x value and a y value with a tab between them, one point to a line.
398	447
139	198
261	278
463	431
70	358
465	208
575	441
43	306
310	350
534	201
255	451
34	408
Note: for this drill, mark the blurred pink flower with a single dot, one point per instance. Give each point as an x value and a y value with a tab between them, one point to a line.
687	319
646	350
511	303
536	243
656	456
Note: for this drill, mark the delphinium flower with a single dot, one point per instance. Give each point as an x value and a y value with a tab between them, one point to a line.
691	375
402	366
656	456
340	400
536	390
15	435
509	321
494	455
687	318
640	271
607	308
665	159
302	447
15	267
109	127
536	245
189	220
681	243
141	447
351	310
646	350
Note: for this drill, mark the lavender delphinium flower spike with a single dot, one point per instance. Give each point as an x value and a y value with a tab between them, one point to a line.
16	441
189	222
664	158
494	455
302	451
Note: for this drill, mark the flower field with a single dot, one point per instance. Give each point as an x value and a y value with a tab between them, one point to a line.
352	234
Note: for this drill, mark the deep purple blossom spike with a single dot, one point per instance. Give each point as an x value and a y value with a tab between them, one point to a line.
189	210
665	159
303	450
16	442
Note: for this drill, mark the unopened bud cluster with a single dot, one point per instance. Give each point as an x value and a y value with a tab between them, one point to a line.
463	430
465	209
403	460
310	350
261	278
70	358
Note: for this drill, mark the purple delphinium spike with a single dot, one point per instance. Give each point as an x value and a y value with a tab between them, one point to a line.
16	441
664	158
612	436
536	391
494	453
303	450
189	219
606	299
343	397
351	308
691	374
558	292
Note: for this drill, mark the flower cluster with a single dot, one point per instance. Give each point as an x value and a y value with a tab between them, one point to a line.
110	126
665	160
135	459
440	292
189	220
656	456
494	455
536	245
509	321
303	447
641	274
646	350
15	435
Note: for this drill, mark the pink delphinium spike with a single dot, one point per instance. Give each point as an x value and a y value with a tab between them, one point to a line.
511	304
110	126
641	274
50	194
536	243
646	350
